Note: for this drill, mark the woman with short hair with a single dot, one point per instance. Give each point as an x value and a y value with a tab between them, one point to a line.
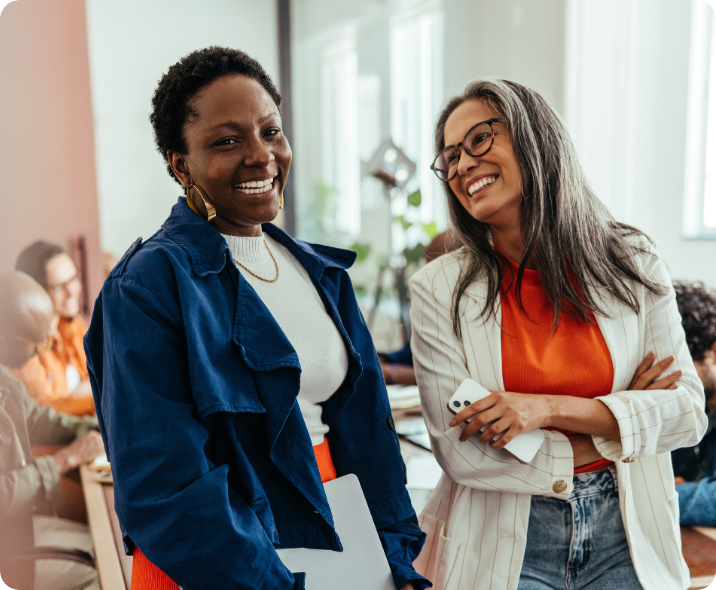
568	318
232	367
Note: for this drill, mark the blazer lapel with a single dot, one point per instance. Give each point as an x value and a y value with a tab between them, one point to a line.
482	339
621	331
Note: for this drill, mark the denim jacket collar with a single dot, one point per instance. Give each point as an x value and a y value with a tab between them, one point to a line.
208	250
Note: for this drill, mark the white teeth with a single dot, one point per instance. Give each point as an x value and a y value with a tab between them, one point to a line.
255	186
483	182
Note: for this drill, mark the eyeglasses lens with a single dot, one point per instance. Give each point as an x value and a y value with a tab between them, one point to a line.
478	140
476	143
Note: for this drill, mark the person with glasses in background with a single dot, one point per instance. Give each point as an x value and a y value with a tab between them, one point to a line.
29	485
57	375
569	319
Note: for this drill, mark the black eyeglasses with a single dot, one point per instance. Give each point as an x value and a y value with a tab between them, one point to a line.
478	141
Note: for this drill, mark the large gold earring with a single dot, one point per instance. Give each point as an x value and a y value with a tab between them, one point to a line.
210	210
280	203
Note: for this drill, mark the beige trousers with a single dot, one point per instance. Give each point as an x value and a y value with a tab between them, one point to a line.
58	574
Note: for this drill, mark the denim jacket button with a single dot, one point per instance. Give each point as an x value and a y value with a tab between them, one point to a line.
390	423
559	486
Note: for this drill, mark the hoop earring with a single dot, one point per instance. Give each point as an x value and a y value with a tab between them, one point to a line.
210	209
280	203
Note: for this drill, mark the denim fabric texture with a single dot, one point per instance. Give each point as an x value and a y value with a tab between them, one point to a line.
697	502
579	544
195	386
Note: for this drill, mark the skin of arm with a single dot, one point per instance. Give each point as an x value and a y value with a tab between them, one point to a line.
514	413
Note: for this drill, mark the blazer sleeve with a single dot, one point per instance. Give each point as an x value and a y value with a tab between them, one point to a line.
440	366
658	421
172	502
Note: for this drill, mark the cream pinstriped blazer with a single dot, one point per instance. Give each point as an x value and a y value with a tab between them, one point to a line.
477	517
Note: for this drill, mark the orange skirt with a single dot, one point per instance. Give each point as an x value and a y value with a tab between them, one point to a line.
147	576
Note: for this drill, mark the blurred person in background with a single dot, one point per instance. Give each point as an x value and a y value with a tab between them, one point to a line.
29	485
397	366
569	319
695	467
58	376
231	366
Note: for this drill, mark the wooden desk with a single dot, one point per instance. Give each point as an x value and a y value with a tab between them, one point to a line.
113	566
699	549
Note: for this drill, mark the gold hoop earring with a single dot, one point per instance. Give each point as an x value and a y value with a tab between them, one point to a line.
210	209
280	203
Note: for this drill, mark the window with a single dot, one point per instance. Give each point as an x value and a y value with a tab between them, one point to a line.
416	94
709	205
341	158
699	219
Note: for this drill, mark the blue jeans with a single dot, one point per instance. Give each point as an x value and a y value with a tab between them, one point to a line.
579	544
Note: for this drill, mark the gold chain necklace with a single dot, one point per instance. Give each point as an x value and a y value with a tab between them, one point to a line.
253	274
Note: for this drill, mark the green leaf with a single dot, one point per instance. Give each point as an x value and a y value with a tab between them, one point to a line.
415	254
431	229
362	250
403	222
415	198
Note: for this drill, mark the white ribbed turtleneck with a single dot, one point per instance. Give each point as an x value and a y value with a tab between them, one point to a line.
297	308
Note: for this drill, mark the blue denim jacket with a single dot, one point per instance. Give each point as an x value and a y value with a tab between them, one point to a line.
195	386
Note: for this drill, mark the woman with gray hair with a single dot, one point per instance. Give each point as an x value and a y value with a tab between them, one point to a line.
568	318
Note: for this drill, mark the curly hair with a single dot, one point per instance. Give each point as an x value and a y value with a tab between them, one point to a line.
697	306
171	104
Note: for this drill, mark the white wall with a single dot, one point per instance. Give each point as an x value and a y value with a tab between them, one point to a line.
132	43
627	78
519	40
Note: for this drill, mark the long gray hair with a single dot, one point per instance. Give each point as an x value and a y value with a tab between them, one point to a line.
565	227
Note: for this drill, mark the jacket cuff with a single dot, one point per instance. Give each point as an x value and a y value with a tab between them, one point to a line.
299	581
50	476
403	573
627	447
560	485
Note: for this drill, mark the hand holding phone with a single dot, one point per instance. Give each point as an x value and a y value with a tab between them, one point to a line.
524	446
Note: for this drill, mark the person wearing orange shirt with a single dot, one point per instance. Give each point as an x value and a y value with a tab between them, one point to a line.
569	319
58	377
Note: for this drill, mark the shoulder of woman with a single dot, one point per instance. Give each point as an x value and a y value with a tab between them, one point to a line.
443	272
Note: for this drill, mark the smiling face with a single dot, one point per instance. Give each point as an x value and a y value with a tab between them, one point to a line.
489	187
236	153
64	285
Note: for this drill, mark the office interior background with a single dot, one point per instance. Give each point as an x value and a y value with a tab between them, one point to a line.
634	80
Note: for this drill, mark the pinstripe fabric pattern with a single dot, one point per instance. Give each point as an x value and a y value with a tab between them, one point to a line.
477	516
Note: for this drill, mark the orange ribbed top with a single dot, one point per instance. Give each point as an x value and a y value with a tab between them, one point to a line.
573	361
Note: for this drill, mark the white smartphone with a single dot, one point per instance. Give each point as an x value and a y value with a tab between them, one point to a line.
523	446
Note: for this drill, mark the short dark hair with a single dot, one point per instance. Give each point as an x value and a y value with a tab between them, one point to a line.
697	306
32	260
171	102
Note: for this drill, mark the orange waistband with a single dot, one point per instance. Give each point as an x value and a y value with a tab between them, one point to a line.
325	462
147	576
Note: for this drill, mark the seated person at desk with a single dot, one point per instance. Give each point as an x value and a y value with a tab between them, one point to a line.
29	484
58	376
397	366
695	467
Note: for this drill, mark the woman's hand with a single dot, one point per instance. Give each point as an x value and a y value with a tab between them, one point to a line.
511	413
407	586
646	374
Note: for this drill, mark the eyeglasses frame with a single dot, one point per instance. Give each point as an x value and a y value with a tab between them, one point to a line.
66	285
464	147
